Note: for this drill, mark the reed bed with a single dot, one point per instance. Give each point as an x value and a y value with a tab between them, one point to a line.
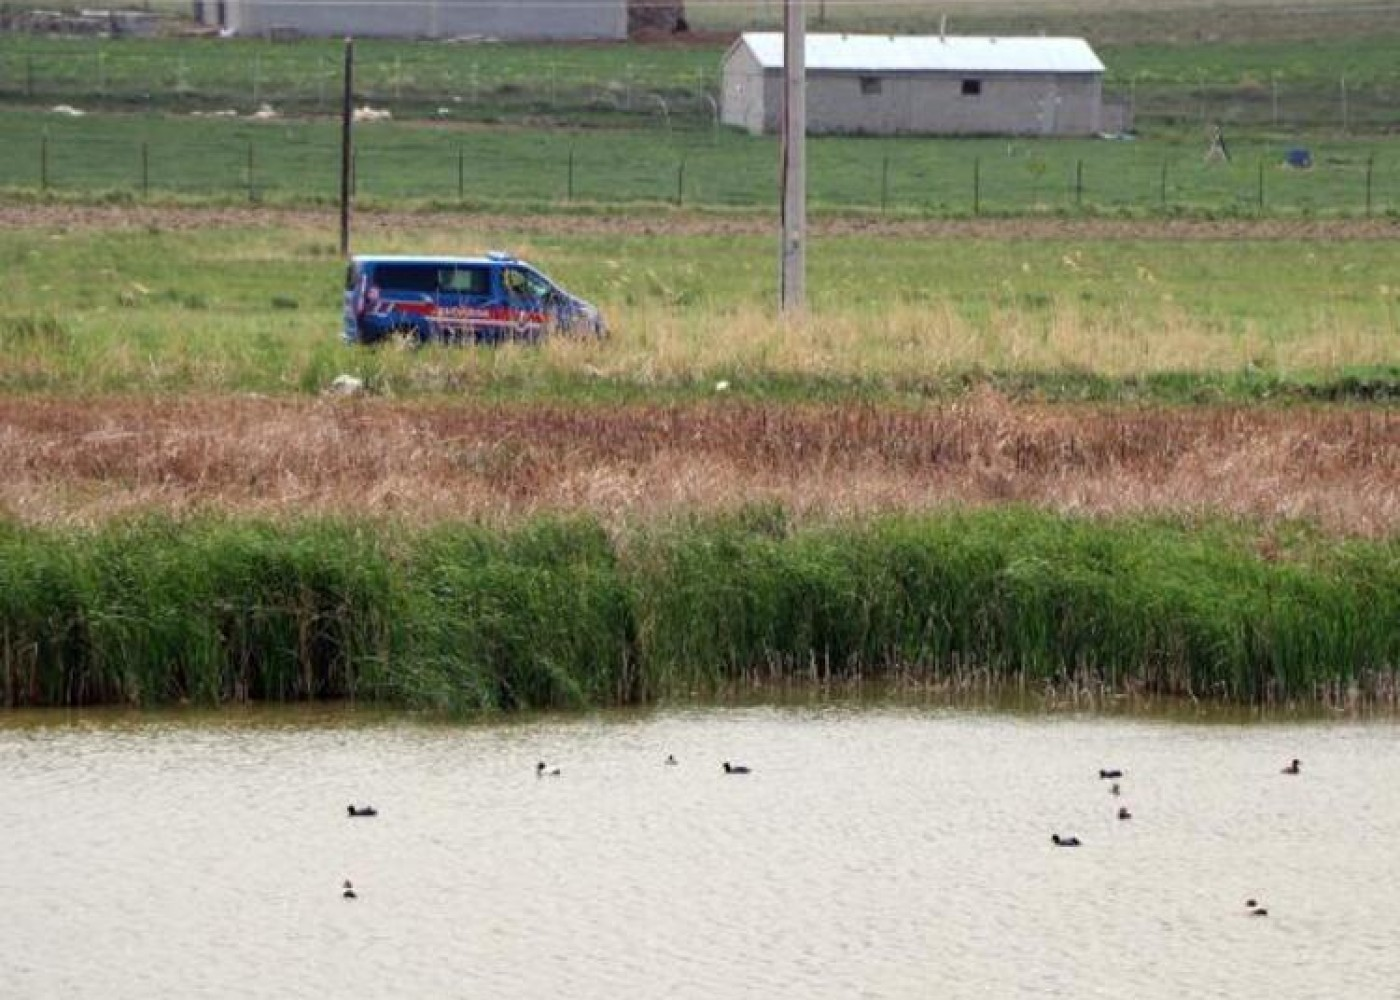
559	613
88	462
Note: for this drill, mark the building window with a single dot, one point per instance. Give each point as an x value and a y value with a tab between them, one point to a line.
870	85
971	88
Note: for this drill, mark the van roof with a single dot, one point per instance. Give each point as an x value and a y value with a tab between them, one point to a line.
491	258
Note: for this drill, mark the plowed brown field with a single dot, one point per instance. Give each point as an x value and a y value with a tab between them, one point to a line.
86	461
682	223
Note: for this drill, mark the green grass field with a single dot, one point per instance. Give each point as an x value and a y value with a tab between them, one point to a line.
1176	80
1115	21
218	309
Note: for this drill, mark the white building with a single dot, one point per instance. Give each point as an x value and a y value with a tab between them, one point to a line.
921	85
510	20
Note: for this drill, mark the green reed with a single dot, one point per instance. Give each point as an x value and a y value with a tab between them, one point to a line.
559	614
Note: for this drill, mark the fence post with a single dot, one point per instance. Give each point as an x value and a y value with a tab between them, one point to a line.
1370	167
44	162
252	184
28	76
1345	115
461	180
1261	187
1163	184
1079	184
569	188
977	186
101	73
680	183
145	169
257	78
884	184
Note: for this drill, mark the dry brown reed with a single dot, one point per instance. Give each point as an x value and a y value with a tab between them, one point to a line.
445	230
86	461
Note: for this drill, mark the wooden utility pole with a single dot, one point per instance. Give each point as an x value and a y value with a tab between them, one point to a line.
347	117
794	157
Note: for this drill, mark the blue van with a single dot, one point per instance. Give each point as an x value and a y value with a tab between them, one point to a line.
458	300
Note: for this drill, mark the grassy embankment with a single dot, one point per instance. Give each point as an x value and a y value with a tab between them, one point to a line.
560	614
258	309
557	615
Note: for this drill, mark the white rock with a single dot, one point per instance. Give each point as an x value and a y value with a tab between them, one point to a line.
346	385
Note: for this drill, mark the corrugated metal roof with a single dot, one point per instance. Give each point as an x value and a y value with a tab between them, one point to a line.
913	53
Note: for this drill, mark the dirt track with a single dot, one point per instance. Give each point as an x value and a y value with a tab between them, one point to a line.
664	222
83	461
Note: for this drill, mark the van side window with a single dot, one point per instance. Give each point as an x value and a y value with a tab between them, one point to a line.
465	280
407	277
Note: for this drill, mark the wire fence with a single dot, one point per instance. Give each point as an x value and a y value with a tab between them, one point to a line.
964	177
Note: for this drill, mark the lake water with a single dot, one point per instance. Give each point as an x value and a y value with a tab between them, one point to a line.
872	852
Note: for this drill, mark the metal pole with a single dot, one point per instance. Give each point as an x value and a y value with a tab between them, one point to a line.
884	184
977	186
252	186
680	183
461	186
1261	187
1370	167
44	162
569	189
145	169
794	166
1079	184
1163	188
346	146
